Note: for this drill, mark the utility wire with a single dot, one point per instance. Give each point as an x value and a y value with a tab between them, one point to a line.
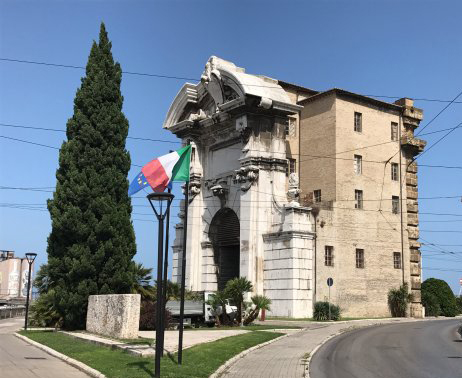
434	144
439	113
63	131
313	157
197	80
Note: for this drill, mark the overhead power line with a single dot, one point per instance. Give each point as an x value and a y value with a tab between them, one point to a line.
437	115
63	131
438	141
312	157
163	76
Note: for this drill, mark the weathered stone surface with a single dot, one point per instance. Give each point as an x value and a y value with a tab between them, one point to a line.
415	256
115	315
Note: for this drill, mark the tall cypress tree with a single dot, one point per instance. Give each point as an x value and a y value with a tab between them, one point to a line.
92	242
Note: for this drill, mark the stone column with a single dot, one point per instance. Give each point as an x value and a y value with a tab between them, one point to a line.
411	147
288	266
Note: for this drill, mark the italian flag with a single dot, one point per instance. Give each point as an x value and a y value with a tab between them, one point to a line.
171	167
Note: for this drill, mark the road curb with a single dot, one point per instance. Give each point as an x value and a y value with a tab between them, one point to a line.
308	360
223	368
70	361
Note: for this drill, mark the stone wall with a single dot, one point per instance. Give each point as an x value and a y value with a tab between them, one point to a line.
288	265
114	315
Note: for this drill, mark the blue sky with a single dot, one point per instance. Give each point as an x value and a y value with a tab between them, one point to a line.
388	48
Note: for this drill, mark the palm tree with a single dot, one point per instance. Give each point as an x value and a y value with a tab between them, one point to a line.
398	300
261	303
236	289
218	302
142	284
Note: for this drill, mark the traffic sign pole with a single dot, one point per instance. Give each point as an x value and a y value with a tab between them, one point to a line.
330	282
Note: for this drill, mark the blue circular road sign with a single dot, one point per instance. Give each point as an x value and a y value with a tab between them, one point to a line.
330	281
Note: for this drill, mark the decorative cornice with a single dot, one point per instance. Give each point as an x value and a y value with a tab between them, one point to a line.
287	235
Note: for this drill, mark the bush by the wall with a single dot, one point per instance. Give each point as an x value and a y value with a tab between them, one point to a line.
398	300
459	304
443	294
430	302
321	311
148	316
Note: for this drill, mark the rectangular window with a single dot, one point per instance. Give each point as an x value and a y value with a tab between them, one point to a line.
317	195
394	171
358	122
291	166
395	204
359	258
394	131
290	126
358	199
358	164
329	255
397	260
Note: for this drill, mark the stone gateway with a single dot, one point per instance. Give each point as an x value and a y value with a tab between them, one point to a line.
256	210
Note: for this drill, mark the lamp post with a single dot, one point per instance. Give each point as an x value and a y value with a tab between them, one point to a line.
30	259
160	203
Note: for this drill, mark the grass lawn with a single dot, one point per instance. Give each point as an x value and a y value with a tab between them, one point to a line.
198	361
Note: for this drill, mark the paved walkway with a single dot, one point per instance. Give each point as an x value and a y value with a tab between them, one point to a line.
285	358
19	359
190	338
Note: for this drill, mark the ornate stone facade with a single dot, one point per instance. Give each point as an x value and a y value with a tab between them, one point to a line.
246	218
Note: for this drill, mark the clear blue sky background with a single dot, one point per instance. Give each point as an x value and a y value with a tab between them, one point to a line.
390	48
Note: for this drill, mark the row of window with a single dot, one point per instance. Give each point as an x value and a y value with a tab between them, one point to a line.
317	197
329	257
358	167
358	126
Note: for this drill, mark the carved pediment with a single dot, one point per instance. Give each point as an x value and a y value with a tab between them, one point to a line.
222	83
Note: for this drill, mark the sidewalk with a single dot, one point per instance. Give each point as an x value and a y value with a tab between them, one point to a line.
19	359
287	357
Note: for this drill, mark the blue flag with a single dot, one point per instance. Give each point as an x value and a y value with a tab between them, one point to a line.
137	184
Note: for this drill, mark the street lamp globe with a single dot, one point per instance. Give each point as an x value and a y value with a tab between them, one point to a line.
30	257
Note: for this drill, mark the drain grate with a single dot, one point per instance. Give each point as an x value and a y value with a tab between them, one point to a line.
35	358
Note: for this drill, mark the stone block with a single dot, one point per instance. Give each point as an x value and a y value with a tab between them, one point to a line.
415	269
412	219
415	283
412	192
415	256
417	310
114	315
412	206
416	296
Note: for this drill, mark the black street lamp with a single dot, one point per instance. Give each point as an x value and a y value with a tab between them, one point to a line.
30	259
160	203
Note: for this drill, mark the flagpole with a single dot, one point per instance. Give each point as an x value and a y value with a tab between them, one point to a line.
183	272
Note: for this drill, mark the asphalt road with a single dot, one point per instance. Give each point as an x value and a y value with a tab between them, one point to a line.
19	359
426	349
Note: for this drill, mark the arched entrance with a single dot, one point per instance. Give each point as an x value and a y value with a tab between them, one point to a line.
224	234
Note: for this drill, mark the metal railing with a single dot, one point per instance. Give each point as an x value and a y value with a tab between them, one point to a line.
12	311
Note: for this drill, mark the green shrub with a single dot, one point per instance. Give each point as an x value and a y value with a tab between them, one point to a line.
398	300
321	311
148	313
430	302
443	294
459	304
43	311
